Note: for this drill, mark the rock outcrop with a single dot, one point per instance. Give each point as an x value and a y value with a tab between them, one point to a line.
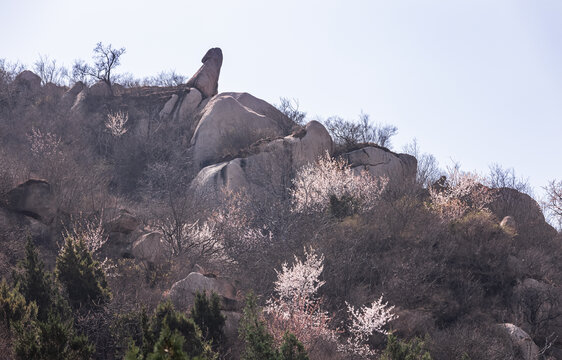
381	162
150	247
69	97
524	210
182	293
520	339
28	81
34	198
206	79
231	122
100	89
266	168
123	222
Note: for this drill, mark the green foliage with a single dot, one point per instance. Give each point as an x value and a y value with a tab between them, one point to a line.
342	207
53	339
169	346
81	276
207	315
169	331
400	350
292	348
13	307
129	328
35	284
134	352
257	340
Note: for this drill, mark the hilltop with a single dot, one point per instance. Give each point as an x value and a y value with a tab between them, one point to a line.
181	189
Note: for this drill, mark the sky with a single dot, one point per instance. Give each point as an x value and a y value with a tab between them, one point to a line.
474	81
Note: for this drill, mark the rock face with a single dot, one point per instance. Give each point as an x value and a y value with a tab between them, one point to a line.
524	210
267	169
34	198
189	103
206	79
231	122
150	247
168	107
183	292
100	89
69	97
381	162
527	347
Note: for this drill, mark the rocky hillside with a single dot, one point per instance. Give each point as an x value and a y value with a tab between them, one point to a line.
179	190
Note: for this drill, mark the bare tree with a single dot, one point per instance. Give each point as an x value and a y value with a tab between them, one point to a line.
348	133
106	59
500	177
428	171
49	71
291	109
554	197
9	71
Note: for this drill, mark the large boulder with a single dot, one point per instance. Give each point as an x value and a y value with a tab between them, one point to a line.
380	162
182	293
151	247
524	211
537	303
528	350
206	79
123	222
189	103
28	81
266	168
34	198
100	89
231	122
168	107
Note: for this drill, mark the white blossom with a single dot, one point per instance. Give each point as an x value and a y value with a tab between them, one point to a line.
463	192
364	322
301	280
316	184
296	308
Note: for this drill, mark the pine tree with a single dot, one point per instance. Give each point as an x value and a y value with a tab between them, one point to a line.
35	284
292	348
257	340
81	276
167	317
207	315
400	350
53	339
13	307
169	346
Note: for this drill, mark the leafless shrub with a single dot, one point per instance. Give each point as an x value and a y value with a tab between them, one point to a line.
473	342
553	201
44	144
115	123
9	71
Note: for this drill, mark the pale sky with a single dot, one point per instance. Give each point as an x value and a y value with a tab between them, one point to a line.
477	81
